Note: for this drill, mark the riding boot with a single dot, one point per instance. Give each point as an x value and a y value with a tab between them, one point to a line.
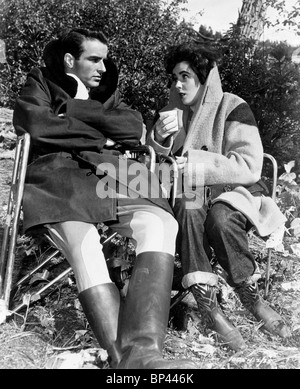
250	298
101	305
214	318
145	314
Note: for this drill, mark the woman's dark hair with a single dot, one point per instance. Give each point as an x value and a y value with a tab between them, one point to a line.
71	42
201	59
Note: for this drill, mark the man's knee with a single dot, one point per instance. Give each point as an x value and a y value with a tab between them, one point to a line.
154	231
163	224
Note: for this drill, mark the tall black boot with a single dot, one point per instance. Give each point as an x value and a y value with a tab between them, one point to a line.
145	314
101	305
250	298
214	318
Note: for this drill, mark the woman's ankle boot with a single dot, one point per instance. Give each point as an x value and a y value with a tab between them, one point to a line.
250	298
214	318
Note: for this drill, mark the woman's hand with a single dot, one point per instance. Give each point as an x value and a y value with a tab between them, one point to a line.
166	125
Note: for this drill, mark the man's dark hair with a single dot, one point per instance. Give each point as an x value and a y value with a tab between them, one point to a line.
201	59
71	42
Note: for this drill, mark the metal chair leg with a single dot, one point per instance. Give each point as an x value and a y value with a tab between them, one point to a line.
37	295
12	221
267	280
162	158
273	195
179	297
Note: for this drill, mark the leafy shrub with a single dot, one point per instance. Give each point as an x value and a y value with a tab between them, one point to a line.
140	32
269	81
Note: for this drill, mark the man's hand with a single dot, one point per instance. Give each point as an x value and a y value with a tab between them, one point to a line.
181	161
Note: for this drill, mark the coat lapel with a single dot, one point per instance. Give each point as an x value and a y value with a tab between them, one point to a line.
205	112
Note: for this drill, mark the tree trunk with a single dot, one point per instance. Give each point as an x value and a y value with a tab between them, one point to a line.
251	18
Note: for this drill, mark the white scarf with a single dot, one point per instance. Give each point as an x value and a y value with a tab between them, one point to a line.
82	90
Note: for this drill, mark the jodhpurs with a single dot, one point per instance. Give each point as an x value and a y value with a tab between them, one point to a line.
151	228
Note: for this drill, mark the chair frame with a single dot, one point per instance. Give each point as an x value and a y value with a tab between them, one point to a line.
12	218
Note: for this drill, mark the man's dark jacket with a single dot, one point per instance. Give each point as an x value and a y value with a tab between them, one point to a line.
68	138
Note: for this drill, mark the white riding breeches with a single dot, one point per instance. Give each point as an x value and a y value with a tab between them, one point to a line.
151	229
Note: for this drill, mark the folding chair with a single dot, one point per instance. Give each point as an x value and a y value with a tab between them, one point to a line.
143	153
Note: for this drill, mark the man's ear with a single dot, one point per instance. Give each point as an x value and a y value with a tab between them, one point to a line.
69	60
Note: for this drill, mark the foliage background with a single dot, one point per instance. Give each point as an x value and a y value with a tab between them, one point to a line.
140	32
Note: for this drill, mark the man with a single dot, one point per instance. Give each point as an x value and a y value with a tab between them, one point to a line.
76	119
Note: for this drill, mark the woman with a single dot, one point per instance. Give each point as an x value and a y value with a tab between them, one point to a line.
215	133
